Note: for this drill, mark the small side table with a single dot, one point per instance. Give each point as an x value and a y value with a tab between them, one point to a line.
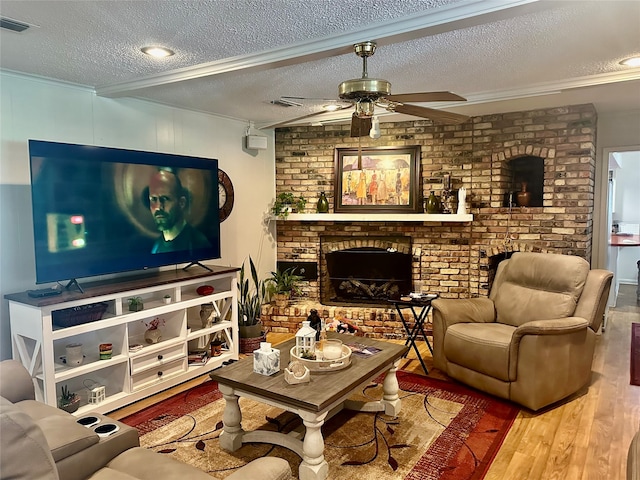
420	309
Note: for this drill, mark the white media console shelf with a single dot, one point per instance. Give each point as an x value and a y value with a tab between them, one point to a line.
40	344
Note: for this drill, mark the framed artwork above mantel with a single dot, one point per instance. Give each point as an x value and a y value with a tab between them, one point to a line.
377	180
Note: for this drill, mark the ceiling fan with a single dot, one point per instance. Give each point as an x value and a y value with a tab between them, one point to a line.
365	94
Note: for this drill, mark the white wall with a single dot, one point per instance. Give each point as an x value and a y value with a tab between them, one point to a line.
32	108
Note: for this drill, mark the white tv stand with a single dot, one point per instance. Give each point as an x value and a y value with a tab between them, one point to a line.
127	376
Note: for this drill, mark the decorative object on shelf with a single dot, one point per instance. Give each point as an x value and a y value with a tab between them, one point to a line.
225	195
266	360
252	294
106	350
68	401
285	203
216	346
377	180
70	317
166	299
208	315
523	197
323	204
282	285
97	392
153	334
205	290
296	373
448	197
306	341
462	201
432	205
135	304
74	355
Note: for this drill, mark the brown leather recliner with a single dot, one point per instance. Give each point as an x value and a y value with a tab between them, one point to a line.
532	340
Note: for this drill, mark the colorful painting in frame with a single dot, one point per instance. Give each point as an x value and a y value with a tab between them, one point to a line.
377	180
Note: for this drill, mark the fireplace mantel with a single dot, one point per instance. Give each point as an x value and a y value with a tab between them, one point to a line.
377	217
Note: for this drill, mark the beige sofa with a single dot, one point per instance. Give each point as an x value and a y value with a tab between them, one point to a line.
40	442
532	340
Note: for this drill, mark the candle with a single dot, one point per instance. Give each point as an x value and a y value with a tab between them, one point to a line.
332	349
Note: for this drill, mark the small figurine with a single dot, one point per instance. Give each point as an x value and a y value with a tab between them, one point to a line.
315	322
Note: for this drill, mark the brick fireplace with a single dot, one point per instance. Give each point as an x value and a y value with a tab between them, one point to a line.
488	155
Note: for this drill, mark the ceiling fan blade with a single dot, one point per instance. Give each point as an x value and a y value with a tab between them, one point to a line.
438	116
426	97
292	120
360	127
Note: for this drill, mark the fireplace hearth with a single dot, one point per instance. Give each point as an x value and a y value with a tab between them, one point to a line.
369	270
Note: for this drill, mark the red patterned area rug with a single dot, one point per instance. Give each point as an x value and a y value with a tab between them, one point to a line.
635	354
445	431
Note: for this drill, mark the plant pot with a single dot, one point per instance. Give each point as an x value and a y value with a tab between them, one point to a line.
282	299
250	337
70	407
250	331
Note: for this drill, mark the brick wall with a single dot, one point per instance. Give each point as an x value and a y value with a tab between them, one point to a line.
451	258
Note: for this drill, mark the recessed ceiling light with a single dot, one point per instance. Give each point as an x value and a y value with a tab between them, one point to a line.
631	62
157	52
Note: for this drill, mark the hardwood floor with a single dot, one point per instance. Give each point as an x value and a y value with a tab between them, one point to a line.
584	438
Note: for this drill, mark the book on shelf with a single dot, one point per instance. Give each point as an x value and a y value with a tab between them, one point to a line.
197	358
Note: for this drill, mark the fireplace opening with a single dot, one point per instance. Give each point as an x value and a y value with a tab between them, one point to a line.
368	274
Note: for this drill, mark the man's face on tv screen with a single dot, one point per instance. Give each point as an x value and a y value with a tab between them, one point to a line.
165	200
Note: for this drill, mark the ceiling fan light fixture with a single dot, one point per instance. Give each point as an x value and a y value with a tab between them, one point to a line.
375	128
365	109
331	107
157	52
631	62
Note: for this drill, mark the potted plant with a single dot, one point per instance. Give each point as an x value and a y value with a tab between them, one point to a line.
252	294
283	284
68	401
135	304
287	202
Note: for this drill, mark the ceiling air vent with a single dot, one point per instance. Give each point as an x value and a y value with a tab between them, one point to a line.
13	25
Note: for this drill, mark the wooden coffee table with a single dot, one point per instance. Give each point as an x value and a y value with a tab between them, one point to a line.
315	402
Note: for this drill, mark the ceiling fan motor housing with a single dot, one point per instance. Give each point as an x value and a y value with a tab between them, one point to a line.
364	88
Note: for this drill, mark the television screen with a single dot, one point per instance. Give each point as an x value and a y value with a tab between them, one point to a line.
99	210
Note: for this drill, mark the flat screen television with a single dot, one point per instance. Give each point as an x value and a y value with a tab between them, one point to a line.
99	210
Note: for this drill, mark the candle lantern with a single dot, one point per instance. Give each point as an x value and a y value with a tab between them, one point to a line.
306	339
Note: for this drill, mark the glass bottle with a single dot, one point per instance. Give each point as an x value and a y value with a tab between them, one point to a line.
323	203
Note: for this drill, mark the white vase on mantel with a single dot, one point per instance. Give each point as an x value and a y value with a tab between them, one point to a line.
462	201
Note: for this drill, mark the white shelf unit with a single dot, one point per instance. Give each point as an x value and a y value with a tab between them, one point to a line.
128	375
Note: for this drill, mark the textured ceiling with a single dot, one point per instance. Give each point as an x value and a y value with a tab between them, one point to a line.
234	57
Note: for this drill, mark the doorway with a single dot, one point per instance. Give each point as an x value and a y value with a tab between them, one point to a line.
623	218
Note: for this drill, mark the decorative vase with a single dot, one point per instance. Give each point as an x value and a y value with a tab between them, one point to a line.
207	315
523	198
433	204
462	201
323	204
152	335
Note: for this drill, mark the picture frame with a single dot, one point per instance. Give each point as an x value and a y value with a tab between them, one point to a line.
377	180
